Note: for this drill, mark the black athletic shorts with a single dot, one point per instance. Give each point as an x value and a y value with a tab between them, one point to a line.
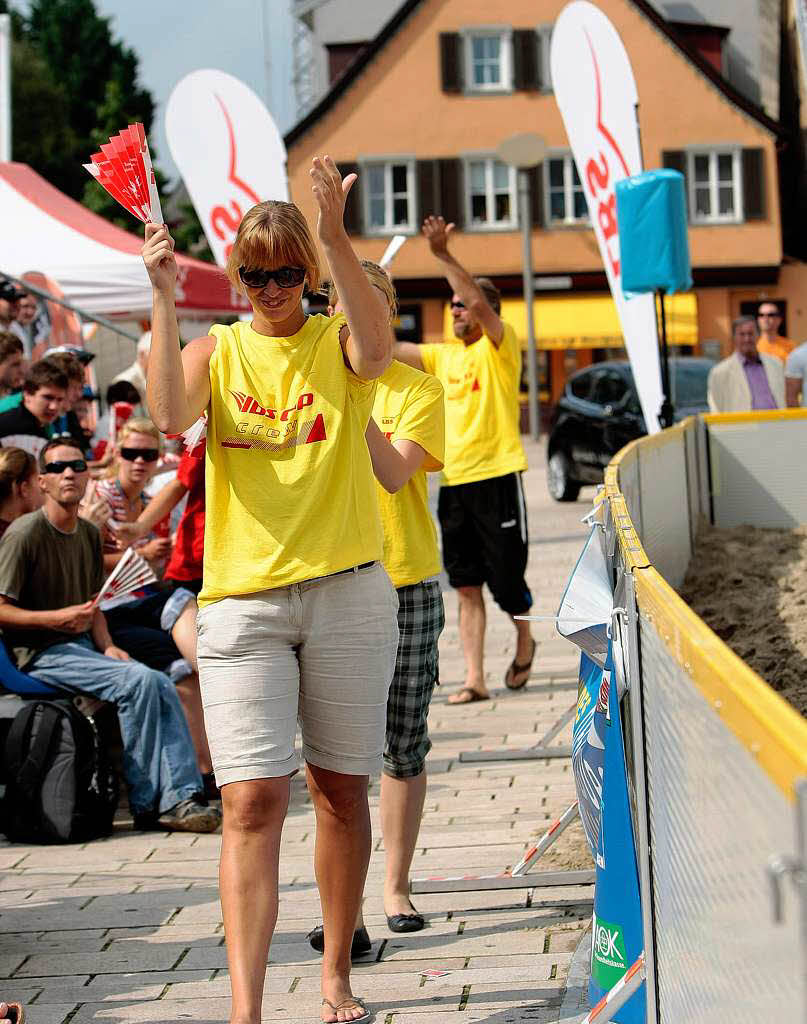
484	532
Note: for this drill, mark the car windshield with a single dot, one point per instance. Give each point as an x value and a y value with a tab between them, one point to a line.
689	383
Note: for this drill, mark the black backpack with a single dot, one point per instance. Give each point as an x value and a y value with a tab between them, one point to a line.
59	785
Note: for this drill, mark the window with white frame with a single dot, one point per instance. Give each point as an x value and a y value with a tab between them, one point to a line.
389	188
488	60
715	190
566	201
490	193
544	33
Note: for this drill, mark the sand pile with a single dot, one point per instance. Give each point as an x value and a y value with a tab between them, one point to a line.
750	586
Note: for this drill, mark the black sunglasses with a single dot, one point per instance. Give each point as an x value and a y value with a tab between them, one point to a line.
146	454
458	305
77	465
284	277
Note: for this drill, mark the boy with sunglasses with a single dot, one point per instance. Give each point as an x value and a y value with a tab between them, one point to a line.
50	568
481	507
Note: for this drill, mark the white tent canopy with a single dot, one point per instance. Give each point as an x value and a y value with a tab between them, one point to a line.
97	265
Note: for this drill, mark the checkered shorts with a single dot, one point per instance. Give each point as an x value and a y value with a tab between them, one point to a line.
421	618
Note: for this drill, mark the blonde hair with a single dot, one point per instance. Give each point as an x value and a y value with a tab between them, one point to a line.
16	466
273	234
133	426
378	278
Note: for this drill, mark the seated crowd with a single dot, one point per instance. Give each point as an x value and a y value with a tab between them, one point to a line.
66	519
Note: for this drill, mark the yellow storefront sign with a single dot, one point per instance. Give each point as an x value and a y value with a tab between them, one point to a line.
590	321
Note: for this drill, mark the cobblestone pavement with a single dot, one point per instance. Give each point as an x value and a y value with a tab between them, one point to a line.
129	928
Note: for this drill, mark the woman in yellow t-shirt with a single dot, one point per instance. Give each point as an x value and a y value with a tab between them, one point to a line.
297	617
406	438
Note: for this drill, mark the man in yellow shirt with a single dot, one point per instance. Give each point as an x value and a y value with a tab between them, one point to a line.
483	518
770	341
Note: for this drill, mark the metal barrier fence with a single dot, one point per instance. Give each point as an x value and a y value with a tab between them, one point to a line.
717	761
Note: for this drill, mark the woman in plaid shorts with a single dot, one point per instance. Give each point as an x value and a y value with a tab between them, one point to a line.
406	438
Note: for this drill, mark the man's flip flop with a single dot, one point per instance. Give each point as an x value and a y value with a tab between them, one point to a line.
352	1002
472	697
515	670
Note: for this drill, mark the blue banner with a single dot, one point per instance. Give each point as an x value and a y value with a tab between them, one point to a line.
588	749
617	928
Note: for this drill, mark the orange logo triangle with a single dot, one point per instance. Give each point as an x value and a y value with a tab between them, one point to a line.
317	431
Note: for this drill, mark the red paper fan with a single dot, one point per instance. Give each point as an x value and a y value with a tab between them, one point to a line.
123	167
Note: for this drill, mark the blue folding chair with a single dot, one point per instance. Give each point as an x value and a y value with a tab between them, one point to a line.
21	683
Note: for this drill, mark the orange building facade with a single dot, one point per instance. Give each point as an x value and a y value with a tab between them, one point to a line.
420	114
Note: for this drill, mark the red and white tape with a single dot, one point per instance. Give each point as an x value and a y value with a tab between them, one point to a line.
619	994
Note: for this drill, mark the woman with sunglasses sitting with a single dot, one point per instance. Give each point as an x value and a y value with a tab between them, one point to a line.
297	617
157	625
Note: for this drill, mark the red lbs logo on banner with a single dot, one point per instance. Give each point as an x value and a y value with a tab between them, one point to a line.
228	150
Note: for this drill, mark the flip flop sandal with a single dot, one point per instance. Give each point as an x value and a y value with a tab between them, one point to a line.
517	669
473	696
16	1014
352	1002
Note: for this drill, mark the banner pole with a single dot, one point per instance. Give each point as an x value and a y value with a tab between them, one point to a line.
5	88
525	212
34	290
635	698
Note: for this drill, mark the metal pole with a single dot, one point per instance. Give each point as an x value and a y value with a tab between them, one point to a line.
69	305
5	88
666	414
635	696
525	211
801	876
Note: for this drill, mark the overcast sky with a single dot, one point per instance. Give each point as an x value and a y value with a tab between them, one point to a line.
172	39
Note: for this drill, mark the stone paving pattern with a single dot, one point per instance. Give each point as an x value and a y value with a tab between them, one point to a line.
129	929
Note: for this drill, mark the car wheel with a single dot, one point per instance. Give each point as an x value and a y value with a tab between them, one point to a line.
560	484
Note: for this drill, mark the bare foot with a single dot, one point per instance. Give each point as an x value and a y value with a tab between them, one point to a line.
351	1008
468	695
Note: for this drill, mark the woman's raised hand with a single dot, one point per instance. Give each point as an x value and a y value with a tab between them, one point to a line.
330	191
158	255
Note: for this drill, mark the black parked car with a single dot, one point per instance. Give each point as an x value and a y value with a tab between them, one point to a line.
599	413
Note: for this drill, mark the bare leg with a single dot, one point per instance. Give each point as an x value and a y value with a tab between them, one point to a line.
250	849
191	699
523	641
401	810
184	634
472	636
341	856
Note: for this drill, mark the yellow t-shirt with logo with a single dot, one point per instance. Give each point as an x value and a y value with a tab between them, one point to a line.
481	385
409	407
290	492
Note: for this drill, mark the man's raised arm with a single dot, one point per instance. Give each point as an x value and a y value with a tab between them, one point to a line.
437	232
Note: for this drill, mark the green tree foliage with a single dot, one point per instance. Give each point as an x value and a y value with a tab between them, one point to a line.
73	85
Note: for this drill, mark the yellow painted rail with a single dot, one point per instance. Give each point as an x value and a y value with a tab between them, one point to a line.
772	731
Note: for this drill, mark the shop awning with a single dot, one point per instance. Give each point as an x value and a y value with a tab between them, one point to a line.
590	321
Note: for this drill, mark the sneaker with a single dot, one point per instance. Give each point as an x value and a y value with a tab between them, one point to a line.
190	816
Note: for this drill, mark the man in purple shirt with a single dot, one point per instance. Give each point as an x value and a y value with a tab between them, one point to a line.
747	380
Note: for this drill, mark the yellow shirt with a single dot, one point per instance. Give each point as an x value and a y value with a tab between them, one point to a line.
409	407
779	347
290	487
481	385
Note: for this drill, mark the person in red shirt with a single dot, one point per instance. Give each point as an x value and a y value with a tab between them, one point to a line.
185	564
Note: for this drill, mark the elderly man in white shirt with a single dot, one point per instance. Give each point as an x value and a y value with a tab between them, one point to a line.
747	380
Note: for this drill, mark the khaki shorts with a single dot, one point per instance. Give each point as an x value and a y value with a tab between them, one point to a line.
321	653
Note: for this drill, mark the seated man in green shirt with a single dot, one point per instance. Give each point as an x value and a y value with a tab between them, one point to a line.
51	567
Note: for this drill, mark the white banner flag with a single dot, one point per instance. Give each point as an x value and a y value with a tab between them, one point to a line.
596	92
228	150
5	87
